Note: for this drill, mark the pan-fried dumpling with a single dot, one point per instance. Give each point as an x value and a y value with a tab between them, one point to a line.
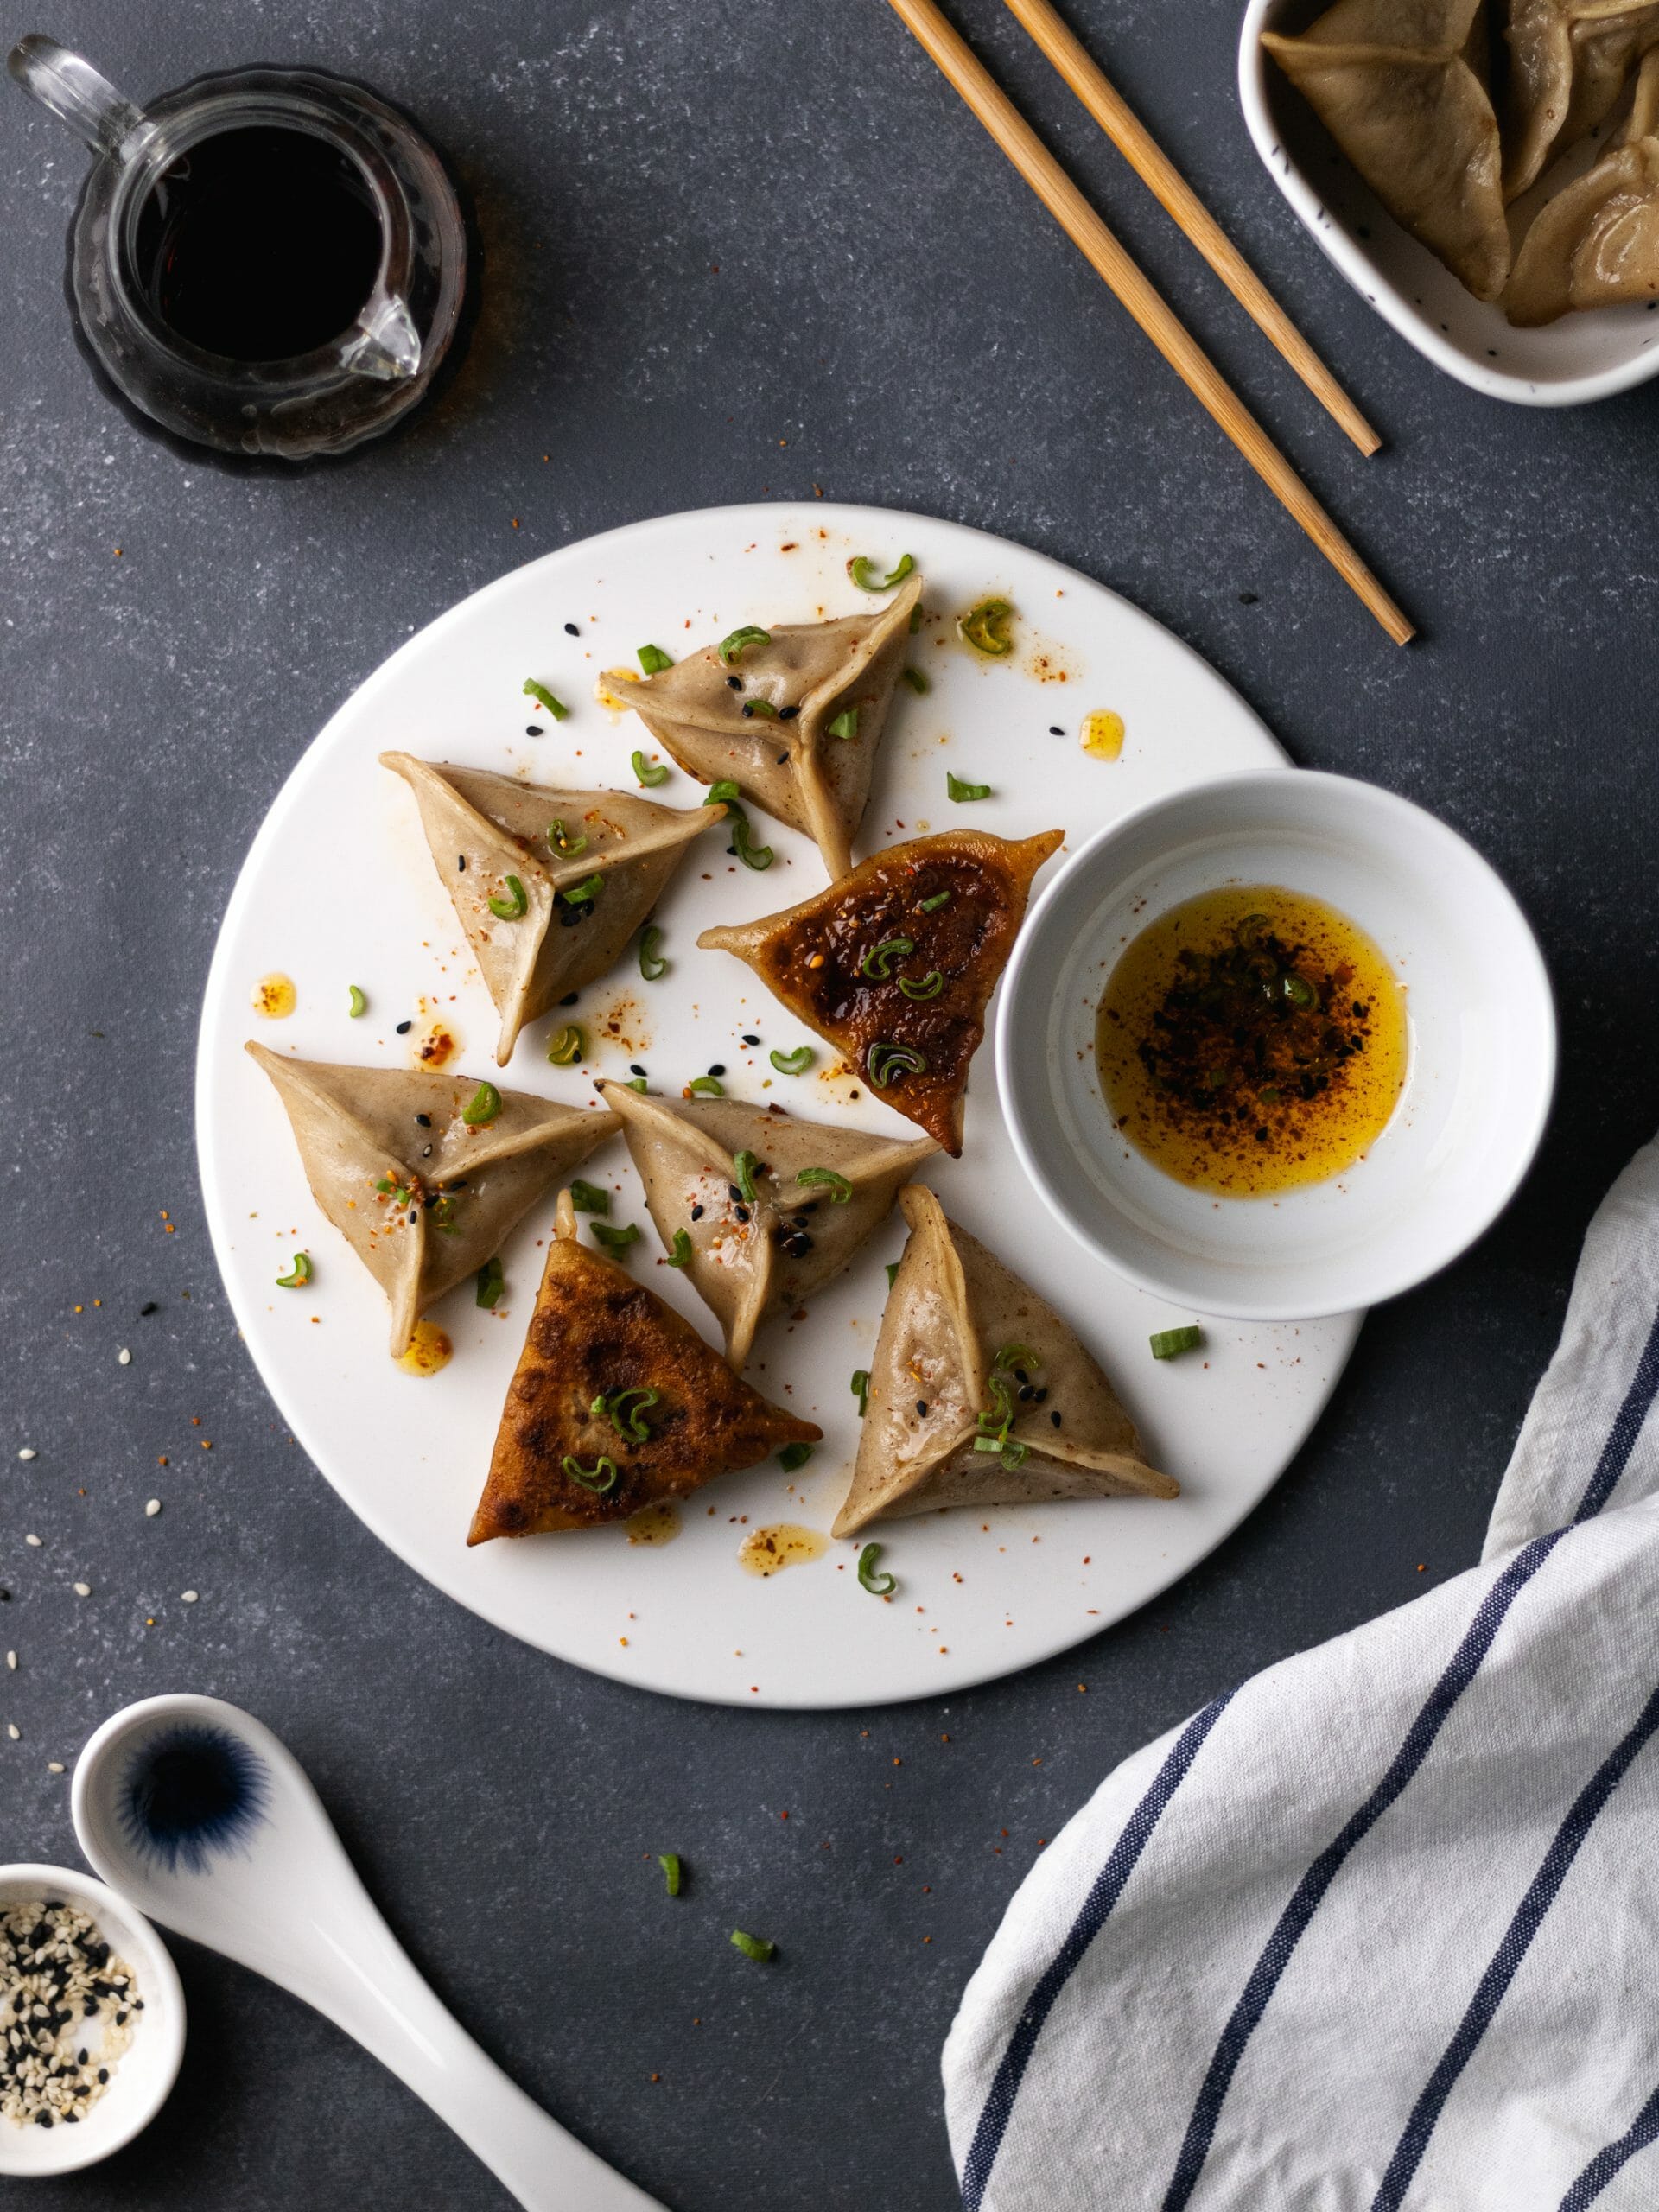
1392	81
770	1207
1596	244
615	1403
896	963
423	1197
980	1394
809	760
548	885
1569	60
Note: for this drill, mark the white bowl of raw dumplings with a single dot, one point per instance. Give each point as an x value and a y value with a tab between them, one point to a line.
1564	364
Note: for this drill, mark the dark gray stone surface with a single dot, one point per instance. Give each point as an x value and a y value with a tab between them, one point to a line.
895	320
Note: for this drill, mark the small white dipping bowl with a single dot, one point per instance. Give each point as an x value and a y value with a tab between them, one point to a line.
146	2071
1479	1078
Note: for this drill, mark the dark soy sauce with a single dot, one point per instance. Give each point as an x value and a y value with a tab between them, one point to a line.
258	243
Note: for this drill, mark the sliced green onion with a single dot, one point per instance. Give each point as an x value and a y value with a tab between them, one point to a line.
845	724
739	639
878	961
669	1863
754	1947
706	1086
871	1577
637	1084
443	1216
394	1189
483	1106
651	773
954	788
492	1281
893	1273
863	574
1015	1355
561	841
652	966
600	1478
299	1274
615	1240
829	1179
758	857
514	906
568	1046
544	697
1300	993
626	1415
793	1456
743	1167
1170	1344
724	793
886	1061
653	660
930	986
986	628
587	1197
916	618
357	1004
917	683
861	1390
932	905
680	1252
795	1063
585	892
764	708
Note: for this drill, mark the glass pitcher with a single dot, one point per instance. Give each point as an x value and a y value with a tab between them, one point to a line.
155	167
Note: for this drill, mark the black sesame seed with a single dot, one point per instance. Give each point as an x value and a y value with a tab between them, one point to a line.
782	760
1247	598
734	682
461	863
148	1307
1054	730
696	1213
788	714
742	1212
1055	1419
534	729
921	1408
748	710
634	1068
719	1068
425	1121
403	1029
570	999
1042	1394
750	1040
736	1195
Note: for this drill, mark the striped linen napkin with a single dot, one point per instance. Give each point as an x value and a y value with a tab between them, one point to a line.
1380	1928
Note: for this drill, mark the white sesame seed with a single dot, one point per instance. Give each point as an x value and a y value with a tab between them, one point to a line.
124	1356
190	1595
83	1589
55	1766
11	1661
152	1508
28	1452
34	1542
13	1731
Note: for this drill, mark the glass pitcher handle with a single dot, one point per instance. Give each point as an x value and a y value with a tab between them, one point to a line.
73	91
383	343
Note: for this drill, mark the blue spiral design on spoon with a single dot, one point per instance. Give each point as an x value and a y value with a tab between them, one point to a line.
191	1790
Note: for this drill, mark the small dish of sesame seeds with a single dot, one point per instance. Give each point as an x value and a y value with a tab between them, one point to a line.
92	2021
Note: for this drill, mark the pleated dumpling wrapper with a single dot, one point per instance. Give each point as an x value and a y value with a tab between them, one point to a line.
896	963
422	1195
1596	244
616	1403
980	1394
760	1208
1569	60
548	885
1399	85
793	716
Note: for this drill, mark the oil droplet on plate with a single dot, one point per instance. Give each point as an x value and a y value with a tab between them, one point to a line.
653	1524
275	996
434	1043
1103	734
429	1349
605	686
785	1543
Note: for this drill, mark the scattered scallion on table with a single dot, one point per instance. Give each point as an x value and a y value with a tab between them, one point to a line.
357	1004
653	660
672	1875
862	572
861	1390
544	697
613	1239
795	1063
989	628
917	683
649	773
567	1046
1170	1344
872	1576
706	1086
492	1281
652	966
753	1947
299	1274
957	788
587	1197
793	1456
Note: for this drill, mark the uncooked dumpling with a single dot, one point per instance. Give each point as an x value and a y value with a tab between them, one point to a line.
980	1394
818	1194
809	760
616	1402
423	1197
1569	60
1596	244
895	963
547	885
1392	81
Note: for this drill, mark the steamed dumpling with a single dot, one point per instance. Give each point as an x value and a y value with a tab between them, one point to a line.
793	715
1399	85
1569	60
1596	244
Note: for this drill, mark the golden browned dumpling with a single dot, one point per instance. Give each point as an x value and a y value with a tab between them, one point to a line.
1569	60
1596	244
423	1196
792	716
896	963
548	885
616	1402
761	1208
1399	85
980	1394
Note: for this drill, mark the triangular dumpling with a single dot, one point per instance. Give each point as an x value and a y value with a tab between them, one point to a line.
702	711
750	1257
895	964
980	1394
489	833
1569	60
675	1415
1597	243
1391	80
453	1189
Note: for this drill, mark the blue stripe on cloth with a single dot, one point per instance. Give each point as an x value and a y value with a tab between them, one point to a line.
1310	1890
1627	1427
1104	1894
1610	2162
1541	1892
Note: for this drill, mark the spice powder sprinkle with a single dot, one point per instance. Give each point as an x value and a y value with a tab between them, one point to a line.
68	2010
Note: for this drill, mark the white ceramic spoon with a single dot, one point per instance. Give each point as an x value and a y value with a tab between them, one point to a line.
194	1812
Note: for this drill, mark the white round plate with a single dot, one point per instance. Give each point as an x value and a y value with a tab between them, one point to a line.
339	889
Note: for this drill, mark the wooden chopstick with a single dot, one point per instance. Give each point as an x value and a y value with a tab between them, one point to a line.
1155	169
969	77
